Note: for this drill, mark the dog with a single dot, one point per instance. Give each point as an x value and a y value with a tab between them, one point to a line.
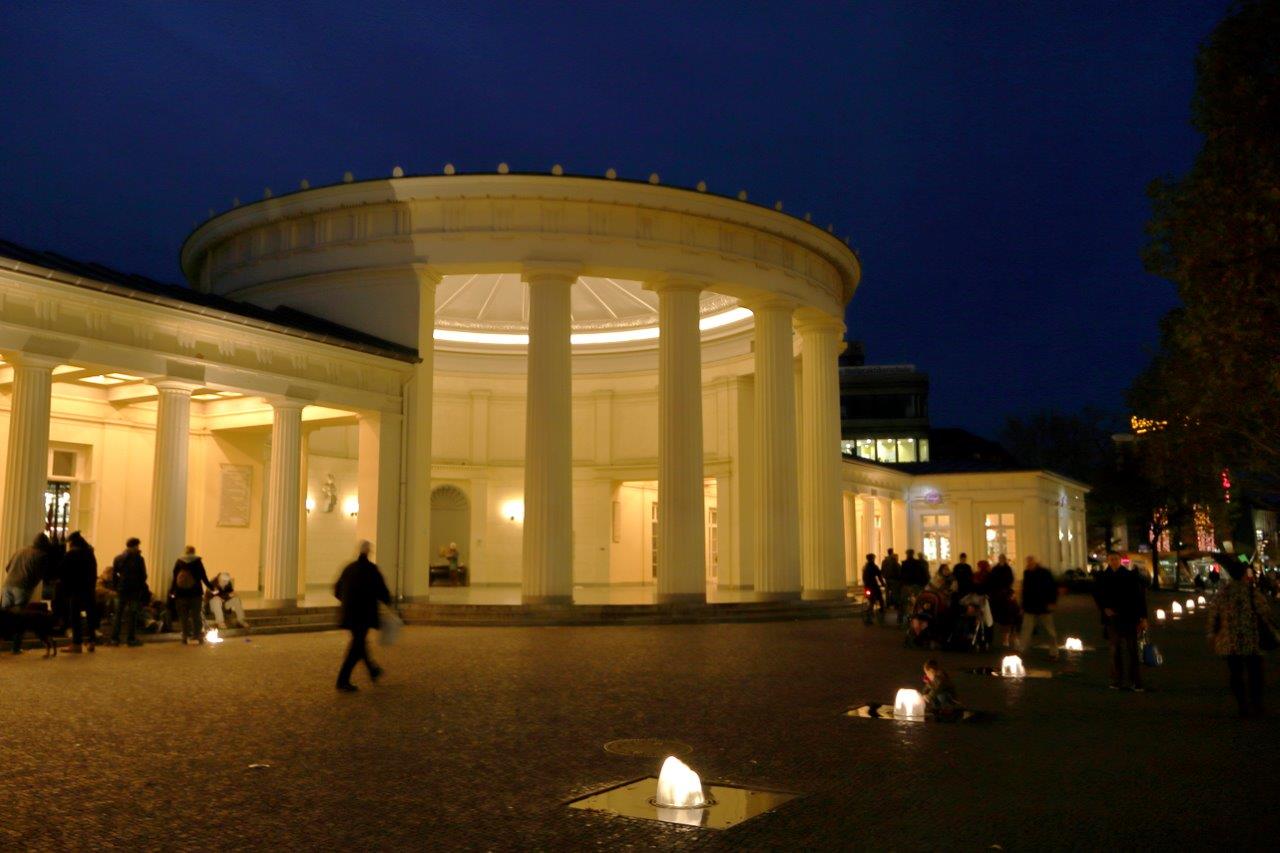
34	619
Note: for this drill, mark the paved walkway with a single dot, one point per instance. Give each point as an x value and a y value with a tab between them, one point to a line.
477	736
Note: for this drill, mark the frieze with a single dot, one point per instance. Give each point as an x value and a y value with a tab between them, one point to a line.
524	216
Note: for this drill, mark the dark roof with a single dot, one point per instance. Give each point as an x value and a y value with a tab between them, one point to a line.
290	321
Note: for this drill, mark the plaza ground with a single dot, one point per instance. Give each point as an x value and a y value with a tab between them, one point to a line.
477	737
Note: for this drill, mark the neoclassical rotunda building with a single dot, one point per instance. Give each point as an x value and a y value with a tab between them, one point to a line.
564	383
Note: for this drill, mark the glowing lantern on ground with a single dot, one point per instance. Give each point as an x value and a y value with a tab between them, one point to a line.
1191	605
1159	615
1074	644
1011	667
1200	601
1175	609
678	786
212	636
909	704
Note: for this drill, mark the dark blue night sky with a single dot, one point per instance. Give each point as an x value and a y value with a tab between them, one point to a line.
988	160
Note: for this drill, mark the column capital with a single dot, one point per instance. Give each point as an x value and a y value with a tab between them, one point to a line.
288	403
32	359
769	302
550	272
169	383
808	320
426	275
670	281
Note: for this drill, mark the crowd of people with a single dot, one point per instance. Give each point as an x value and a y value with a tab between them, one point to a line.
86	597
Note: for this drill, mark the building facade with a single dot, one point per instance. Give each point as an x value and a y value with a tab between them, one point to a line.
617	384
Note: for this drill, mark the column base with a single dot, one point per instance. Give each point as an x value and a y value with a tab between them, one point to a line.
681	598
824	594
778	596
540	600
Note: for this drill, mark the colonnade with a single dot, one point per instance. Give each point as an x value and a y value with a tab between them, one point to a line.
798	517
26	477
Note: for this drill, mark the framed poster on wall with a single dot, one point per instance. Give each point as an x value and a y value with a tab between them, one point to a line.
235	493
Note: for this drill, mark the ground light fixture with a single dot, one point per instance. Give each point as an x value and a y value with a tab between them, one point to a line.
1175	609
212	636
677	795
1191	605
1200	601
1073	644
908	704
1011	667
1160	615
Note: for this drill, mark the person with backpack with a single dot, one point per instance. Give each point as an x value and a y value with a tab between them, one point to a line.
187	591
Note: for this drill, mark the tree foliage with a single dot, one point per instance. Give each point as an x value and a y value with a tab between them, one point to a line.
1215	234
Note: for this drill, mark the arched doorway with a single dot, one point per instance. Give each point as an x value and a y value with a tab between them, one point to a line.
450	522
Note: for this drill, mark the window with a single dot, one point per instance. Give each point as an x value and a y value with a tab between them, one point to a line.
906	450
866	448
653	539
1001	534
936	532
57	510
847	447
923	452
713	542
886	450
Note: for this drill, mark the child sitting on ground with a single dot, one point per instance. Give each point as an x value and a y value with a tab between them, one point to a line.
940	695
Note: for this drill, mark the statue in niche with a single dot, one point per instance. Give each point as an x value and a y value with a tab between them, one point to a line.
329	492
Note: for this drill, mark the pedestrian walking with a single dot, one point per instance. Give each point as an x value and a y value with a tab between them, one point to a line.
129	575
871	586
360	587
1240	630
187	591
1039	595
80	580
1122	597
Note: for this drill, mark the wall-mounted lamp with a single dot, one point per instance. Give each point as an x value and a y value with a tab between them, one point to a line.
513	510
351	506
310	504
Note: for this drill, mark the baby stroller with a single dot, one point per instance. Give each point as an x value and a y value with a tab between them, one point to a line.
973	624
927	626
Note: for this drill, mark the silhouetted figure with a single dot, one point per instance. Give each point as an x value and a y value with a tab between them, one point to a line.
190	580
1240	614
129	576
80	581
360	587
1122	597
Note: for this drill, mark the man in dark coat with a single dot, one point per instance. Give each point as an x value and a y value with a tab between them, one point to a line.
80	581
1122	597
1039	595
963	573
129	574
360	587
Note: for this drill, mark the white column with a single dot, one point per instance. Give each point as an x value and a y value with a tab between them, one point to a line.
280	580
547	551
418	516
778	518
26	468
169	482
821	500
682	570
378	489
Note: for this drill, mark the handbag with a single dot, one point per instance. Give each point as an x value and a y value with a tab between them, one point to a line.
1151	652
1267	640
389	625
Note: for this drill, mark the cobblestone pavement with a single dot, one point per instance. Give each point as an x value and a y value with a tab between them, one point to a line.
477	737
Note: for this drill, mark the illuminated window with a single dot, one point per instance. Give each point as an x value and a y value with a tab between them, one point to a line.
713	542
847	447
653	539
923	451
1001	534
886	450
906	450
936	533
866	448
